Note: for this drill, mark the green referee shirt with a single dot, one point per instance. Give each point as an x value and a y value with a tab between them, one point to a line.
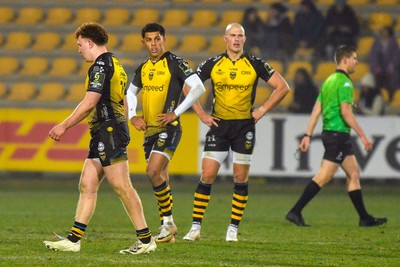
337	89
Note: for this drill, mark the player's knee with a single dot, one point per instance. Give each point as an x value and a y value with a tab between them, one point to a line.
87	188
120	186
353	176
240	177
207	178
153	174
120	191
322	180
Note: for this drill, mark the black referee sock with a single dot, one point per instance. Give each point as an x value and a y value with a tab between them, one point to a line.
309	193
358	202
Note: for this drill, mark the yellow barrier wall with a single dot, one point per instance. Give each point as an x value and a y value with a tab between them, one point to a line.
25	145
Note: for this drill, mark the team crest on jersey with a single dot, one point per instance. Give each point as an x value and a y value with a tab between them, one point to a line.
102	156
233	75
151	75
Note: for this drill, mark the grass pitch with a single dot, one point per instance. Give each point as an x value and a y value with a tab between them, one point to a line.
31	209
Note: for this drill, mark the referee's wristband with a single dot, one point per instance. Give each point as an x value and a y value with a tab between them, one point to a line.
307	135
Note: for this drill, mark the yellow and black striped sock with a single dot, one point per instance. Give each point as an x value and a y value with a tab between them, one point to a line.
144	235
159	208
201	199
163	196
161	214
77	231
239	202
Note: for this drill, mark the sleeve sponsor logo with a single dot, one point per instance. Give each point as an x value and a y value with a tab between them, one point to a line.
269	69
97	80
184	66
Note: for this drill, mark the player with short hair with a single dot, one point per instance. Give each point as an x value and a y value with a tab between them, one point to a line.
335	102
161	78
103	106
234	75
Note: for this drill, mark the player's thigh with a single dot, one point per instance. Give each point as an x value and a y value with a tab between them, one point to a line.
118	175
91	175
157	162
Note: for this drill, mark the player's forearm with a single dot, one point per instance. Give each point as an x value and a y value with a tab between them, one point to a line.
316	112
131	100
80	113
198	109
280	91
126	108
196	90
350	119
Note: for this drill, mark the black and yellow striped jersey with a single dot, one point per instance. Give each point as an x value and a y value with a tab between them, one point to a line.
234	83
107	77
162	83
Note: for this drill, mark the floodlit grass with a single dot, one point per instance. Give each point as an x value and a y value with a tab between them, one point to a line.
31	209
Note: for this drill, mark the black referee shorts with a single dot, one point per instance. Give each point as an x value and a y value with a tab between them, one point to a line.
337	146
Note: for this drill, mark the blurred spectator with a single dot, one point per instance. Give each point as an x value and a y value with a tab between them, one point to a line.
305	92
255	31
371	101
279	33
309	25
342	28
385	60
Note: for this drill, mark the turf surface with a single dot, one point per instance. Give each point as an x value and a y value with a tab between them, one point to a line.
32	208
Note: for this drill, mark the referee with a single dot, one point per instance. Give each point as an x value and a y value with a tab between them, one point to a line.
335	103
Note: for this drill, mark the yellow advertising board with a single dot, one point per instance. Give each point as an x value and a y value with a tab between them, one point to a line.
26	146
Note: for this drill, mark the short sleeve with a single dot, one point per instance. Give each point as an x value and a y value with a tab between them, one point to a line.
137	78
97	77
184	69
346	93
